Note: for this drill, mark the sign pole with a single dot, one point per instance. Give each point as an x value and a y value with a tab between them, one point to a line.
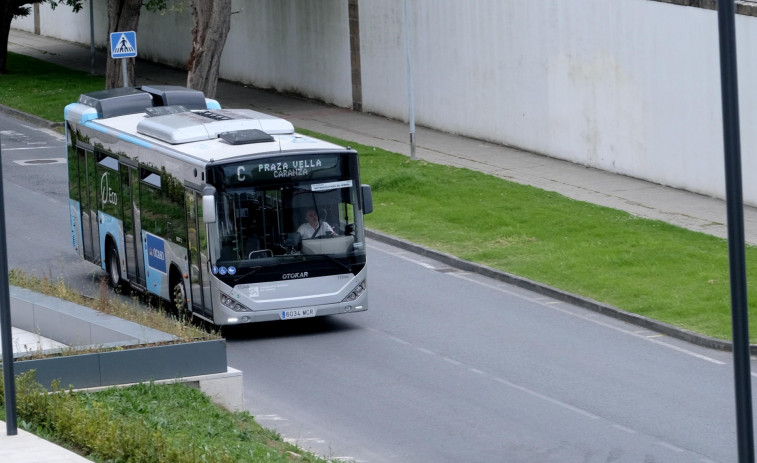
5	325
124	73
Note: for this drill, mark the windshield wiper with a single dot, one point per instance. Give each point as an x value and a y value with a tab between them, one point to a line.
338	262
246	274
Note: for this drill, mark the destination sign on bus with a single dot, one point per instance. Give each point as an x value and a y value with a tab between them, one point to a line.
278	168
284	169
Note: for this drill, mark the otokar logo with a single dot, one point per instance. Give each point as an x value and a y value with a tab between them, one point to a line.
294	276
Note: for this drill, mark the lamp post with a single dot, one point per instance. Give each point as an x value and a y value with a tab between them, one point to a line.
409	69
5	324
735	208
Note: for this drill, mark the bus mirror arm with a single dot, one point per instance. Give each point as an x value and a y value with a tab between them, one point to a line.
367	199
209	205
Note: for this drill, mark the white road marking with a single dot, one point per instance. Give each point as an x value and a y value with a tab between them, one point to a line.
670	447
36	148
308	440
270	418
625	429
547	398
552	304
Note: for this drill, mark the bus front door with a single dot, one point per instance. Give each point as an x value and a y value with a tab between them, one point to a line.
89	190
132	236
198	256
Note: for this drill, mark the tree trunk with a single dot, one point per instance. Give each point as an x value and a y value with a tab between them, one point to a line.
212	22
6	16
8	9
123	16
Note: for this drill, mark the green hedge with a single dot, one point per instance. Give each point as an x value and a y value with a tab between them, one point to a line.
147	423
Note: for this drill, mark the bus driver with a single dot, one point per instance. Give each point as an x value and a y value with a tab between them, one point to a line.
313	227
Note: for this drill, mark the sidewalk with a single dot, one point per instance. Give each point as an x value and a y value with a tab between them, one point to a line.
26	447
26	342
643	199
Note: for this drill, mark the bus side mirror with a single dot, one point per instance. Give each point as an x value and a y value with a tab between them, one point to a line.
367	199
209	205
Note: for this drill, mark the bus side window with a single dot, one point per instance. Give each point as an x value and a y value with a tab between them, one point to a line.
73	174
173	199
153	217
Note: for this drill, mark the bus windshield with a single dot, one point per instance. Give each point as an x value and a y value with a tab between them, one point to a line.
282	224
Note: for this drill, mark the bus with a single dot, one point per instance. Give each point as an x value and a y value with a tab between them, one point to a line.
205	207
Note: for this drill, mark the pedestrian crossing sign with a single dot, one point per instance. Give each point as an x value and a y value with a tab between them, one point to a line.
123	44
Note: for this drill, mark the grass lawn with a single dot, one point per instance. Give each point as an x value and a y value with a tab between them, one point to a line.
148	423
42	88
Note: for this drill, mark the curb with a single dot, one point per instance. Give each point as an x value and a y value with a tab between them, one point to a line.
560	295
36	120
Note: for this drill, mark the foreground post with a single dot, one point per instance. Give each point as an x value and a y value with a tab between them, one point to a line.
735	207
5	324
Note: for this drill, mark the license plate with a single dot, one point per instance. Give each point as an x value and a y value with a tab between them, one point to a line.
291	314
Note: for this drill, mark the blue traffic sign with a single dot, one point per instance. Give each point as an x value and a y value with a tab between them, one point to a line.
123	44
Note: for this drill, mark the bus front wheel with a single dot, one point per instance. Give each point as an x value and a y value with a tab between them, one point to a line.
180	298
114	267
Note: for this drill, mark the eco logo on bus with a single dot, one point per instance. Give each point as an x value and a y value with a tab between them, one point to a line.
107	195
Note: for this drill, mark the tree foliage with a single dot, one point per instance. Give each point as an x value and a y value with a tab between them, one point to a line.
10	9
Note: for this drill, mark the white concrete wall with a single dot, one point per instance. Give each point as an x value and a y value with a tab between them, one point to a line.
65	24
299	46
630	86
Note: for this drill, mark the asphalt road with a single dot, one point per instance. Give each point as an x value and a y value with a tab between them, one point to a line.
451	367
444	367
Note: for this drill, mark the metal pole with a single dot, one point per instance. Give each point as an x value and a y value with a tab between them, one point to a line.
92	36
735	207
411	104
5	325
123	71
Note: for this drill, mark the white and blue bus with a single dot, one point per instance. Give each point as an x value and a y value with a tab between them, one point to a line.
227	213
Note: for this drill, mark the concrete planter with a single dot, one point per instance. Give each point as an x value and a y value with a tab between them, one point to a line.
141	354
141	364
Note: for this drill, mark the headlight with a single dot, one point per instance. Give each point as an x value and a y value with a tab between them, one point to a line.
233	305
356	292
